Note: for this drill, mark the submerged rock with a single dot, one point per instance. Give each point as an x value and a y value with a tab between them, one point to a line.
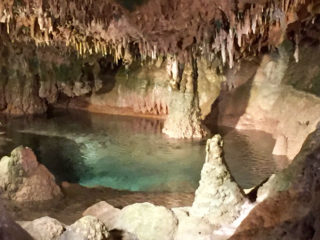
148	222
86	228
22	178
44	228
218	197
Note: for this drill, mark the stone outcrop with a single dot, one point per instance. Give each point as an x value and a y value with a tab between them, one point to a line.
23	179
44	228
218	197
86	228
289	201
148	222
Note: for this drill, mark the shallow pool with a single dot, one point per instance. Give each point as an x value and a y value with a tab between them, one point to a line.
129	153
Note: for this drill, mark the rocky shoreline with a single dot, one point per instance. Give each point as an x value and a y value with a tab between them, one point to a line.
217	214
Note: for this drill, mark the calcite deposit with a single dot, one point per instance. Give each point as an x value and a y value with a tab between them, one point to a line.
72	50
218	198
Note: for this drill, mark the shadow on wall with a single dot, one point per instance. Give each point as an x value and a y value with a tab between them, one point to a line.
108	71
234	97
131	4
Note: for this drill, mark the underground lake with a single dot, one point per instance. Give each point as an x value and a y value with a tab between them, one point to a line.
129	153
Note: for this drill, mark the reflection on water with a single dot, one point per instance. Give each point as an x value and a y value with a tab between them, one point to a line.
131	153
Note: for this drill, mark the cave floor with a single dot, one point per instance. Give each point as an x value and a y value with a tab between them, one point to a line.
77	199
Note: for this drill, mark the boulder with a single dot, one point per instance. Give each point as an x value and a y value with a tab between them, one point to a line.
218	197
148	222
44	228
105	212
22	178
86	228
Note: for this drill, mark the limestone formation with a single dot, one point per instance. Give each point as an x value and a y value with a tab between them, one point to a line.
218	197
88	227
44	228
22	178
148	222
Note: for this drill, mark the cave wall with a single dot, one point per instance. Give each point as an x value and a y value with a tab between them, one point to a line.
270	100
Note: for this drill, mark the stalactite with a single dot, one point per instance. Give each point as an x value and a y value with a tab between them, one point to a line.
296	52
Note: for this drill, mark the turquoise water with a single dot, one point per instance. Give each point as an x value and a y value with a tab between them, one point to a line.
131	153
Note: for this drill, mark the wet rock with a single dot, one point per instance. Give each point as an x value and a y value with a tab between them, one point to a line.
44	228
148	222
218	197
104	212
22	178
86	228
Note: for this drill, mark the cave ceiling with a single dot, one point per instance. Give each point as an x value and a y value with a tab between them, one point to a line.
226	29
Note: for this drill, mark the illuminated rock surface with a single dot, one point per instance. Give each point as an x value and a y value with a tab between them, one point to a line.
22	178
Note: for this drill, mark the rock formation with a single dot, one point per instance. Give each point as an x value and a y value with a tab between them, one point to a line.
148	222
218	197
88	227
44	228
22	178
56	51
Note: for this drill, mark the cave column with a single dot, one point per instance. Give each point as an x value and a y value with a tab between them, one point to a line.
184	120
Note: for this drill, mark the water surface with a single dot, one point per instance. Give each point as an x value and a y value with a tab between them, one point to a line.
129	153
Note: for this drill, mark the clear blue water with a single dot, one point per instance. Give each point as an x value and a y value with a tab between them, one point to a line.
131	153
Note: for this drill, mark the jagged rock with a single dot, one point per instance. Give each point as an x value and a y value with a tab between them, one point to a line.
104	212
22	178
44	228
86	228
148	222
218	197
